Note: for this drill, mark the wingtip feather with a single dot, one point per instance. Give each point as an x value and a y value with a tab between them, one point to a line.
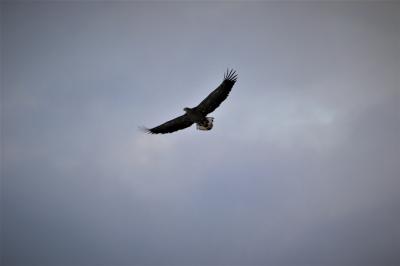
231	75
145	130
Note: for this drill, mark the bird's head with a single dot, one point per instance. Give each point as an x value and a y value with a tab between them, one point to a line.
186	109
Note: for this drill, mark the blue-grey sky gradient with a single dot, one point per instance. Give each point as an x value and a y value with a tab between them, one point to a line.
301	168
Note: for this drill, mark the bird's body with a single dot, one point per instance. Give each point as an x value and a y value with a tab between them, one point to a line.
198	114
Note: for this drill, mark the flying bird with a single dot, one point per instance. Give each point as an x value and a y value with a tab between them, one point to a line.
198	114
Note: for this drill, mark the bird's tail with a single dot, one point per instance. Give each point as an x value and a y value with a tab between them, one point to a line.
206	126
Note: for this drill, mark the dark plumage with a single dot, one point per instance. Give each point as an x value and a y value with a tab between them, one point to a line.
198	114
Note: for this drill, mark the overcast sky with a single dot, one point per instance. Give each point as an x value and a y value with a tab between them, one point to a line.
302	166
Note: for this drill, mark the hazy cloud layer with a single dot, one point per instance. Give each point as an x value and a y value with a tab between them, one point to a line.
302	166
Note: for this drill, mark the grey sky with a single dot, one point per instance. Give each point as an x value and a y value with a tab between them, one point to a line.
302	165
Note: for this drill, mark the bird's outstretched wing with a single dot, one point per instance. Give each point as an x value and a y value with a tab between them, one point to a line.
215	98
175	124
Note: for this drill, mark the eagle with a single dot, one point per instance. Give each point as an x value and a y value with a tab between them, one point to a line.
199	113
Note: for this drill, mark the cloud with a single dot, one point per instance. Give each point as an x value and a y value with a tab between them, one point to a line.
301	166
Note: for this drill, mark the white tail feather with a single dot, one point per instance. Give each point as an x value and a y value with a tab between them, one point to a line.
209	125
